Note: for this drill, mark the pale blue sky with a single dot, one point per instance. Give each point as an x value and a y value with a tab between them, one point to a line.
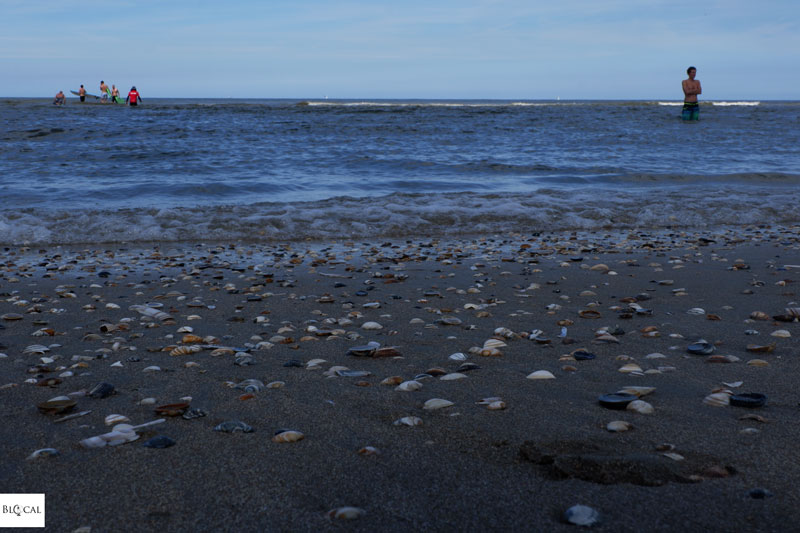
514	49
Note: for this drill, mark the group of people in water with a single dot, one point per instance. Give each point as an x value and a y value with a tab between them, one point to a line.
106	95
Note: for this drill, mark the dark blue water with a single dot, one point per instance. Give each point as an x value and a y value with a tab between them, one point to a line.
234	160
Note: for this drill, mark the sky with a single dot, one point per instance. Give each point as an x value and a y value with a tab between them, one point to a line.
434	49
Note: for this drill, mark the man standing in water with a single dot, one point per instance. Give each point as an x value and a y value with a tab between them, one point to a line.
103	91
133	97
691	88
82	94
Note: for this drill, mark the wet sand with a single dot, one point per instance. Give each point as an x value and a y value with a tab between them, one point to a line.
465	467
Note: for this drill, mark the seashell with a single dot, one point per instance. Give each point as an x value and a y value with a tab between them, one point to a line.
409	386
11	316
600	267
629	368
288	436
191	339
589	313
782	333
655	355
244	359
368	451
466	367
233	426
44	452
581	515
450	321
276	384
159	442
392	380
759	315
618	426
56	406
458	356
541	374
605	337
315	363
152	369
218	352
452	376
637	391
674	456
346	513
111	420
150	312
370	326
493	343
696	311
186	329
582	355
490	352
147	401
641	407
37	349
497	405
172	409
193	413
436	371
436	403
101	390
184	350
408	421
748	399
251	385
761	349
701	347
757	362
718	399
365	351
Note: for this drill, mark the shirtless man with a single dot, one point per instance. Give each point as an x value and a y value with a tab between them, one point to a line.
114	93
103	91
691	88
60	99
82	93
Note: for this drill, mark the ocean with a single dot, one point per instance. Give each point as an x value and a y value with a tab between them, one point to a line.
293	170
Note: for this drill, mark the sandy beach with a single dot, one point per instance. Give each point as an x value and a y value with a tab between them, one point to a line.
511	305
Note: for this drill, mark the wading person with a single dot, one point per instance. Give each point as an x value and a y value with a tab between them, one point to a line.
82	94
133	97
691	88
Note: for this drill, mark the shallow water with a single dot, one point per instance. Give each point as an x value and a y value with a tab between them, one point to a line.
287	169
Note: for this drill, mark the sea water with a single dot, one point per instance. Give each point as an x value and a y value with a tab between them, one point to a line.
283	170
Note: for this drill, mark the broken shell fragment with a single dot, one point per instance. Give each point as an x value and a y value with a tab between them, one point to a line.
233	426
718	399
408	421
44	452
346	513
111	420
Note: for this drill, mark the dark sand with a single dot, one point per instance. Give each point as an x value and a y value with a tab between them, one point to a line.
466	468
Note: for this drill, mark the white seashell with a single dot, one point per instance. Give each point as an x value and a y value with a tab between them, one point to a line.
276	384
346	513
734	384
371	326
152	369
186	329
118	364
674	456
718	399
493	343
288	436
112	306
629	368
416	321
452	376
497	405
781	333
408	421
458	356
436	403
541	374
696	311
618	426
116	419
44	452
409	386
655	355
147	401
37	349
315	362
641	407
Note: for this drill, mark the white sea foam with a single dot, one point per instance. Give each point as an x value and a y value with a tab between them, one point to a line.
406	215
735	103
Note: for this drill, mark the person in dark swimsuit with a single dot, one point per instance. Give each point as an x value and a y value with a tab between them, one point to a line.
691	88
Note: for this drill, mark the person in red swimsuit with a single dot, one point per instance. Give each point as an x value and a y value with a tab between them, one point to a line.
133	97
